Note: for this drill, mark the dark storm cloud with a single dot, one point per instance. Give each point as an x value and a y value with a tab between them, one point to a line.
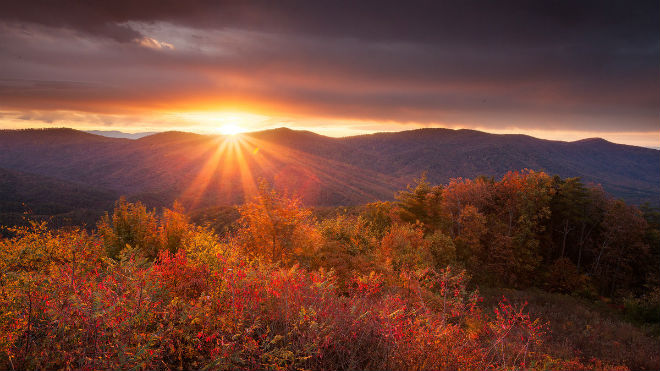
426	61
457	22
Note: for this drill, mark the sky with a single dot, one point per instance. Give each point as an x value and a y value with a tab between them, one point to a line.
562	70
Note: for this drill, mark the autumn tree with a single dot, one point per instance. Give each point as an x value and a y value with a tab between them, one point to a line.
130	224
469	247
652	239
533	212
277	228
621	251
568	209
518	214
405	248
347	247
378	217
174	228
442	249
421	203
461	192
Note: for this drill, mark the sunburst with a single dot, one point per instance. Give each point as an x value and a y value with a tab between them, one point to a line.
230	129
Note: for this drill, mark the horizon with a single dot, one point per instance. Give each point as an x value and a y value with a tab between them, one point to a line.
133	135
552	70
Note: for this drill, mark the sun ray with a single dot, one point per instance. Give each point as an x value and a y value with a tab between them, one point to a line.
275	156
198	186
230	173
247	179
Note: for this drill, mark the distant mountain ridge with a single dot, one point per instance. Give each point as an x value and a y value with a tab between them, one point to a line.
630	172
121	134
207	170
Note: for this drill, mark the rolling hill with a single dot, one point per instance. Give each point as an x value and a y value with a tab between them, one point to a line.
629	172
44	198
202	171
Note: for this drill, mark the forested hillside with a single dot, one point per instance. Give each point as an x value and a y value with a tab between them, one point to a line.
526	271
632	173
43	198
204	171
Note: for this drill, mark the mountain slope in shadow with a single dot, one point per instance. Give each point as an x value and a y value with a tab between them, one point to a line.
205	170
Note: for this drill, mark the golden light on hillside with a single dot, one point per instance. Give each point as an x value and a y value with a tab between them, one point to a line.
235	164
227	159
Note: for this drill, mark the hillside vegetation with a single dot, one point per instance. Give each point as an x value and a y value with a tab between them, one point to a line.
394	286
57	201
204	171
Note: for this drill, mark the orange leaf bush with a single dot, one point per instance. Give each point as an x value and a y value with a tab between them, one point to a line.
372	292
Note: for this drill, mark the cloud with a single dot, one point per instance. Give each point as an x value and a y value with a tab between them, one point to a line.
592	65
152	43
449	22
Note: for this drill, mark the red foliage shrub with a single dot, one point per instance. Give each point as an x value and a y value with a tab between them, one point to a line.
69	301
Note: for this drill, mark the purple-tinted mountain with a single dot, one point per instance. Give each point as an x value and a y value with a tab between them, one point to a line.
203	170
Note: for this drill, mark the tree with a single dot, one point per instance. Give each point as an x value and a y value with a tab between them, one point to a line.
404	248
174	228
131	224
277	228
422	203
621	253
468	243
569	210
442	249
461	192
378	217
347	248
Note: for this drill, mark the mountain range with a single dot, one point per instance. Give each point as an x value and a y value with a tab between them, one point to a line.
121	134
62	170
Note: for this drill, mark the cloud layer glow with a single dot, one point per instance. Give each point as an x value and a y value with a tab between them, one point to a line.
556	70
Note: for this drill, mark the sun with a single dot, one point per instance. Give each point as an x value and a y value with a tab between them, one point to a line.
230	129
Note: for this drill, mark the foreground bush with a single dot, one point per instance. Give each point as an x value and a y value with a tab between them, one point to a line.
64	304
285	292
